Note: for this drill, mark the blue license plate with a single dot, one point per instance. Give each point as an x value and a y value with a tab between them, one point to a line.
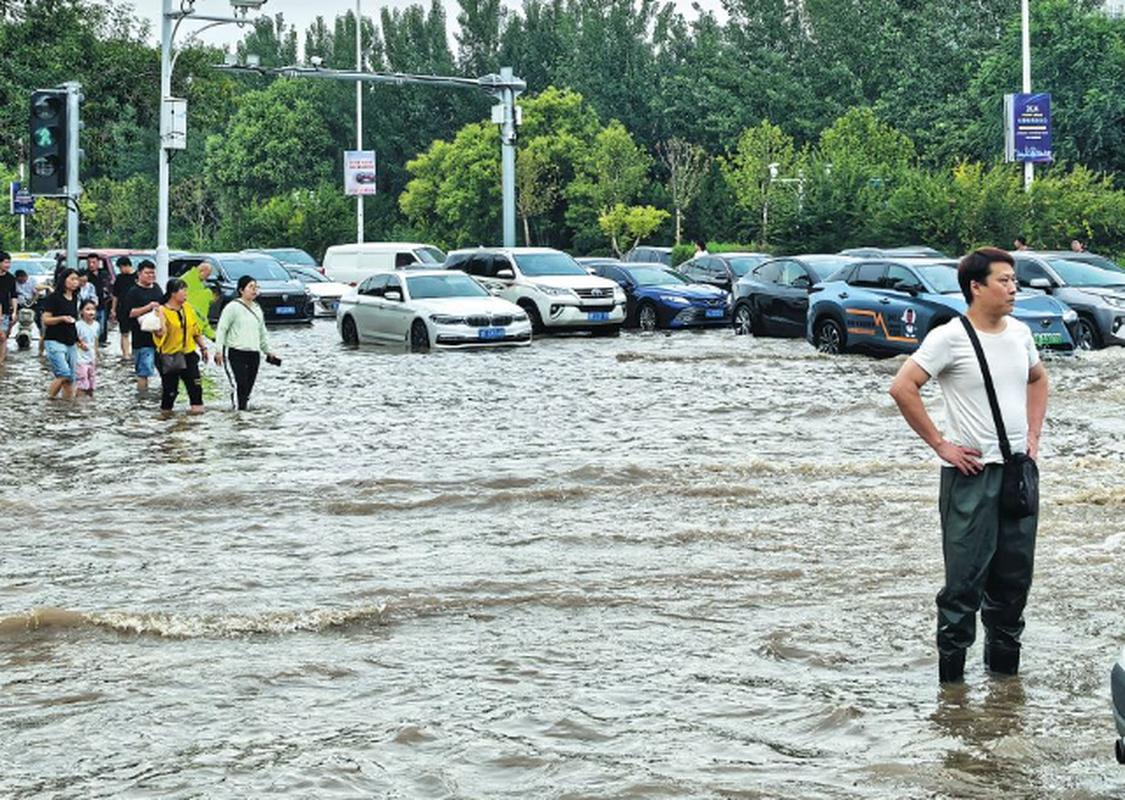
598	316
714	312
491	333
286	309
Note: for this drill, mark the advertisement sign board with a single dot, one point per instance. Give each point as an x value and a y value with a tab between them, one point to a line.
359	172
1027	128
20	200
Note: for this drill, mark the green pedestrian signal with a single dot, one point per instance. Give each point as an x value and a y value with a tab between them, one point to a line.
49	134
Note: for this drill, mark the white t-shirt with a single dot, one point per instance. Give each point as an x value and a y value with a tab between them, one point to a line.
88	334
947	354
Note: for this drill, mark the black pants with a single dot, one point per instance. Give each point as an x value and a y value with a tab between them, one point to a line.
170	383
988	563
244	366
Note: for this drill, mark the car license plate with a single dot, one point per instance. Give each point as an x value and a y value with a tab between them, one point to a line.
1048	338
286	309
598	316
714	312
491	333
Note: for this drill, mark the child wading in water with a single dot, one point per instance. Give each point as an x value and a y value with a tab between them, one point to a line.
86	379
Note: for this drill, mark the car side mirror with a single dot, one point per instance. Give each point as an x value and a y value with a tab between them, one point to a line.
506	274
1040	283
802	282
591	271
393	294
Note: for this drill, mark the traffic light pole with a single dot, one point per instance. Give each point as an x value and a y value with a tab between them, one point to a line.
73	187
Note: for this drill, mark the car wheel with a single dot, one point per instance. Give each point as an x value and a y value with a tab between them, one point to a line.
533	315
829	337
419	337
743	320
1088	337
647	319
348	332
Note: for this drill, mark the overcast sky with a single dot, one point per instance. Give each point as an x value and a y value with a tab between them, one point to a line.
302	13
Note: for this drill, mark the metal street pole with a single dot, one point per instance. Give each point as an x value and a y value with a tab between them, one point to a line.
73	188
23	217
358	116
165	93
1028	167
508	153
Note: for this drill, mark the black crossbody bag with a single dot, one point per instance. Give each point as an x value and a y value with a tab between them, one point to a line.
1019	492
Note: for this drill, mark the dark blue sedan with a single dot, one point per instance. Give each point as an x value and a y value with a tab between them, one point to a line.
659	297
886	307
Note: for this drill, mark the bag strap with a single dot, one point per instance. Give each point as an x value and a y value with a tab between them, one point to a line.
990	390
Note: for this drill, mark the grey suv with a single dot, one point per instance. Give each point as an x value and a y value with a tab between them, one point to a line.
1093	286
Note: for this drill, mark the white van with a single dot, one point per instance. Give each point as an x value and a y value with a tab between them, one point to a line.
351	263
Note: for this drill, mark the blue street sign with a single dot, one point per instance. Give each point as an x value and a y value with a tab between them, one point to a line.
22	203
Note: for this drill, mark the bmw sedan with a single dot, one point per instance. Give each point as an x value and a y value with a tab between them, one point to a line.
658	297
887	307
1094	287
429	308
773	299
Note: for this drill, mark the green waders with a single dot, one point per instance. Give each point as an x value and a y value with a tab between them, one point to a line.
988	565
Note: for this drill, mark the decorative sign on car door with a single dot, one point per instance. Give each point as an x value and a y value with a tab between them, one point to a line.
359	172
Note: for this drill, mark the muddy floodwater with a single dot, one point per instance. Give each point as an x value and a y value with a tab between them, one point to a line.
686	566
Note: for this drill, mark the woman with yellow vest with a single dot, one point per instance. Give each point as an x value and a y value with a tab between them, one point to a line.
180	332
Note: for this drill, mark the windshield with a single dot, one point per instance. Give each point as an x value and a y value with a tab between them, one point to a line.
429	255
306	275
292	256
1075	273
260	269
823	267
1097	261
32	267
654	276
943	277
743	264
428	287
535	265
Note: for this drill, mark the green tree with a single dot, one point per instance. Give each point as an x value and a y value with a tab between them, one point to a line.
615	172
626	226
687	165
763	152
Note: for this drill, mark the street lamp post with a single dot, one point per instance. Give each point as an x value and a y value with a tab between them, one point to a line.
1028	167
358	115
170	21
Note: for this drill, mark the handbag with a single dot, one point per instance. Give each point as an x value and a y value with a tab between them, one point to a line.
176	362
1019	489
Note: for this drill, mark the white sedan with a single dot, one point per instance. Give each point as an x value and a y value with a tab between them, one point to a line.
325	294
429	308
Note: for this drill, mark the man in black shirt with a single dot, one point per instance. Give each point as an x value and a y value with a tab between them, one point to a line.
8	303
102	282
140	300
124	281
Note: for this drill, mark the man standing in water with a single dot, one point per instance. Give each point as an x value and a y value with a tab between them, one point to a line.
988	556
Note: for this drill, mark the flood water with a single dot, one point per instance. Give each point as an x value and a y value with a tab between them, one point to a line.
681	566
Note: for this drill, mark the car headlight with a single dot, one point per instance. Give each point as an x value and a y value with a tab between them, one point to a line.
446	319
519	317
555	291
618	294
1070	316
1116	302
673	299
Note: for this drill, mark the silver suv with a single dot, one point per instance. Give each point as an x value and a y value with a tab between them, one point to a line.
555	290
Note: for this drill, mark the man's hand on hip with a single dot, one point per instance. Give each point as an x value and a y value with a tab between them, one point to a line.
964	458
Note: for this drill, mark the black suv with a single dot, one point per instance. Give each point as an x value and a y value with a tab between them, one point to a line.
282	298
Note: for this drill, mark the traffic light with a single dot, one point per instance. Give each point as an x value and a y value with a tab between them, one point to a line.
49	133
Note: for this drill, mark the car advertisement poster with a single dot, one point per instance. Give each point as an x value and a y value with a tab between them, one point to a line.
359	172
1027	128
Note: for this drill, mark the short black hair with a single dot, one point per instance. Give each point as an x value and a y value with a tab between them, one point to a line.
93	255
1021	240
20	272
977	266
146	264
88	303
124	261
5	256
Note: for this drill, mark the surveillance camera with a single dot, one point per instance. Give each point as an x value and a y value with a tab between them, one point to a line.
245	5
